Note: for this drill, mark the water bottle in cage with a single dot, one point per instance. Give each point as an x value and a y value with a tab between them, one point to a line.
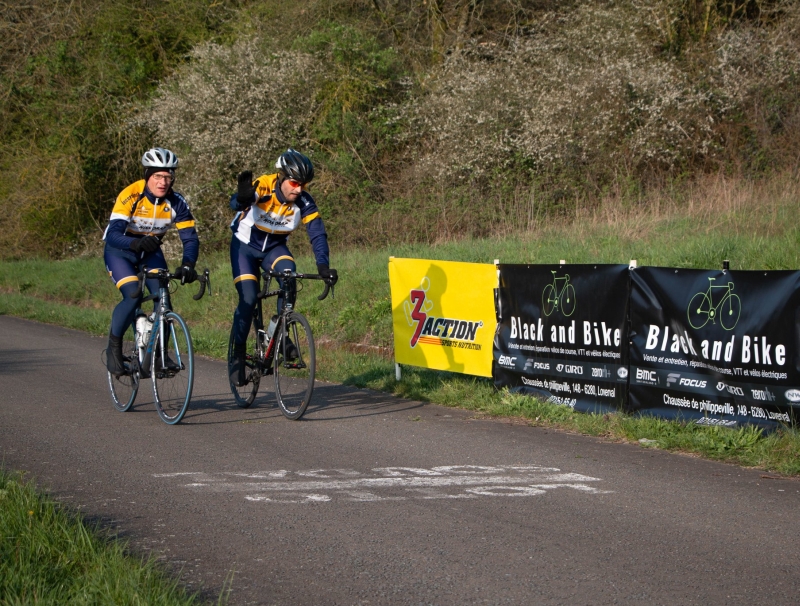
271	328
263	341
143	327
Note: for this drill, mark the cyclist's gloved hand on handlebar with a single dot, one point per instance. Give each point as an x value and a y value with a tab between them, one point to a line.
148	244
186	273
330	276
246	189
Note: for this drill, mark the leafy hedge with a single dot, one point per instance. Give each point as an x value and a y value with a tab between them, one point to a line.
425	119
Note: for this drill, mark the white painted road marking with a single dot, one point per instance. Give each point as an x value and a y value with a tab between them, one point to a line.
393	483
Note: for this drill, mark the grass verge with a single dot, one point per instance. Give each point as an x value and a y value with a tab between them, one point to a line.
751	224
49	555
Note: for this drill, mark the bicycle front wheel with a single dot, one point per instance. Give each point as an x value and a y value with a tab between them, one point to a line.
568	302
172	369
729	312
125	387
294	365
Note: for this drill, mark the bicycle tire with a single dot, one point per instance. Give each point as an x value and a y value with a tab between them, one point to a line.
245	394
294	376
548	299
568	302
172	387
125	387
729	315
698	318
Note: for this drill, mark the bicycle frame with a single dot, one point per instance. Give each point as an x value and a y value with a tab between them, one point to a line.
710	296
162	306
169	334
288	353
289	293
565	279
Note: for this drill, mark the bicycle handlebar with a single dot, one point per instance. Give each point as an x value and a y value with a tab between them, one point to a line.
166	275
205	280
271	273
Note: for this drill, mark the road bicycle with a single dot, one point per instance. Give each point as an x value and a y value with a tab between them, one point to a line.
158	346
555	295
284	348
702	309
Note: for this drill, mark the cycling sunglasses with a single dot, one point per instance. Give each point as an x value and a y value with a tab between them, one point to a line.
293	183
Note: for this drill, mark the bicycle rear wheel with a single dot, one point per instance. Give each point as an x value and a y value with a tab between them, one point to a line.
697	313
125	387
294	365
245	394
548	299
173	373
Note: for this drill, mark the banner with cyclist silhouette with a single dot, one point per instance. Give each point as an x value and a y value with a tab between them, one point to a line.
721	347
443	314
562	334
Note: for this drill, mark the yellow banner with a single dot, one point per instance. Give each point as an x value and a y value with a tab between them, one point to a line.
443	314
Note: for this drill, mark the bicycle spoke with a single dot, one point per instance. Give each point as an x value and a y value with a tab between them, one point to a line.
172	369
245	394
698	310
730	311
125	387
294	366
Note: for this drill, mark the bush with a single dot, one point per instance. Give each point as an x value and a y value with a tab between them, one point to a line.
425	121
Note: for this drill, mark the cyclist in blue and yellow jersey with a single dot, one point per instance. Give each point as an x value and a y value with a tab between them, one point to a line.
267	211
141	216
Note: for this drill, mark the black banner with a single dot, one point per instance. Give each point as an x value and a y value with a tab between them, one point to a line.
722	347
562	334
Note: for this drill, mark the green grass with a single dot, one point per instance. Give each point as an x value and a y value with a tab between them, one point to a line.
49	555
354	329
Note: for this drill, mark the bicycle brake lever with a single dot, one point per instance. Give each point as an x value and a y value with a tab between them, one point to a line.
204	282
140	288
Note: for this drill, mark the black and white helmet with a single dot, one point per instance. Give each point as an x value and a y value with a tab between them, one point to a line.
293	165
158	157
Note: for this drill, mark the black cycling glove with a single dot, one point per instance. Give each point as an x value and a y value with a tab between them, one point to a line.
330	276
186	273
246	189
148	244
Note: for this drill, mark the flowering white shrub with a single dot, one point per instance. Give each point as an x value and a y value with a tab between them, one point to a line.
750	60
563	95
231	109
592	94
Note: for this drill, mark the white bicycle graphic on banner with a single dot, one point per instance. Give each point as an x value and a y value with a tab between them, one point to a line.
559	295
702	309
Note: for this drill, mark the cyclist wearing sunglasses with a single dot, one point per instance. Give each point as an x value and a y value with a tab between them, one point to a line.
141	216
268	210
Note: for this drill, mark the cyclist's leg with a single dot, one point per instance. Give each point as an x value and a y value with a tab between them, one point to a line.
245	261
280	259
122	270
155	261
123	267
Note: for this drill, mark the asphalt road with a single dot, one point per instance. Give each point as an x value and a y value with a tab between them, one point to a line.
371	499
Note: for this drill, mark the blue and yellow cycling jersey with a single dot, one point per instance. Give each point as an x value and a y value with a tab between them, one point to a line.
270	220
137	213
